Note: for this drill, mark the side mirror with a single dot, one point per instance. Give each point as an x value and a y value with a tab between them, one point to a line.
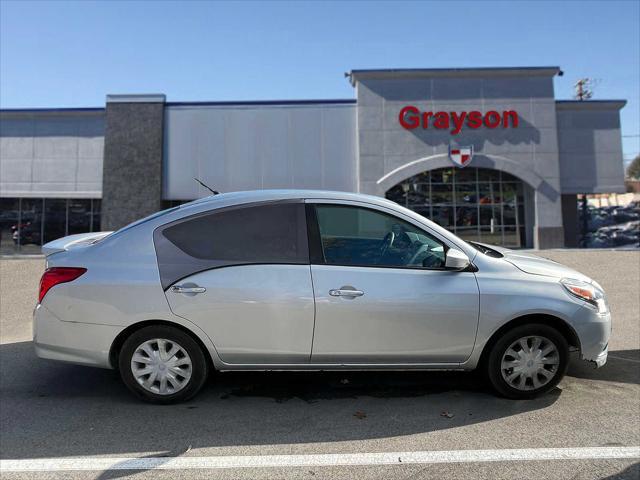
456	260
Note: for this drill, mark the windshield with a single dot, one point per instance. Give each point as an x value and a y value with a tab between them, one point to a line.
486	250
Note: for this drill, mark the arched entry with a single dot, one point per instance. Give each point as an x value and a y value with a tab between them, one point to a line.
479	204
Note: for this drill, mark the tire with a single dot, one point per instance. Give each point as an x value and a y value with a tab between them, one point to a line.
176	378
532	381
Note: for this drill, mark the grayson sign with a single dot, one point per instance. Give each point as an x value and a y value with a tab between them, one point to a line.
411	117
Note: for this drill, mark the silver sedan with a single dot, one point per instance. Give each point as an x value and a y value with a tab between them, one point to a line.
309	280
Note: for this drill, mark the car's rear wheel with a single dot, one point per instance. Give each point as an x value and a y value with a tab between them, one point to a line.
162	364
528	361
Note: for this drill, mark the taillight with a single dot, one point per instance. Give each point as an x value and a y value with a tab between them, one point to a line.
55	275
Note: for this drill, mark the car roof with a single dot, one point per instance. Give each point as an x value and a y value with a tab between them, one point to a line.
251	196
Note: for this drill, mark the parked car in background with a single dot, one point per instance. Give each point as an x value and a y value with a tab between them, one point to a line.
309	280
610	226
26	233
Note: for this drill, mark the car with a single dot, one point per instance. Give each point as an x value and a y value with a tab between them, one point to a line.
309	280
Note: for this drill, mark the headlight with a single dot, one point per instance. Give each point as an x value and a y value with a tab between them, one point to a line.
590	293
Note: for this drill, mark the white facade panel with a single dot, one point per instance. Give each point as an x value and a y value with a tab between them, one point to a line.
51	154
245	147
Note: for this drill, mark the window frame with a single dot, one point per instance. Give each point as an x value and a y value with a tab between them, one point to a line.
203	265
316	252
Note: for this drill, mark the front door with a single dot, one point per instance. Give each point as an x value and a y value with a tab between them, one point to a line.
242	275
382	293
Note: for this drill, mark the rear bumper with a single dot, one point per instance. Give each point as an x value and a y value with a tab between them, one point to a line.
72	342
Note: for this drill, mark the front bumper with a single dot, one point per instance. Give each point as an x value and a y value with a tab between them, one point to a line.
601	359
72	342
594	331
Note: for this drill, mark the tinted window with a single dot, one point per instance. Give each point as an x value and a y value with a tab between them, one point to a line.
363	237
268	233
262	234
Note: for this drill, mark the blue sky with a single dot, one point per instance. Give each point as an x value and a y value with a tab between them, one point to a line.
69	54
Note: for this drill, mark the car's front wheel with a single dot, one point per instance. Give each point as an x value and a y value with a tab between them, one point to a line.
162	364
528	361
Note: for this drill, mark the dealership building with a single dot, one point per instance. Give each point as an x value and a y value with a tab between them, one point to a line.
488	153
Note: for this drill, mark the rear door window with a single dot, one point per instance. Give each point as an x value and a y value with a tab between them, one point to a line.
273	233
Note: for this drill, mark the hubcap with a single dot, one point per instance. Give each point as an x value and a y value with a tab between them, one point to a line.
530	363
161	366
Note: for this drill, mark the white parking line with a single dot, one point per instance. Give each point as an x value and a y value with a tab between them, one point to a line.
316	460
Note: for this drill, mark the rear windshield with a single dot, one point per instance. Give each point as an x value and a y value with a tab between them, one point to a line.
144	220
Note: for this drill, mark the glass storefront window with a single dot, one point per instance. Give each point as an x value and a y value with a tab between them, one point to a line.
27	223
489	193
489	215
79	216
95	215
466	193
486	175
29	231
423	177
509	192
396	194
467	175
9	218
466	217
475	203
442	175
55	219
441	194
443	216
508	215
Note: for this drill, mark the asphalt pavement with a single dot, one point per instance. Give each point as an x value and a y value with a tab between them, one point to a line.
309	421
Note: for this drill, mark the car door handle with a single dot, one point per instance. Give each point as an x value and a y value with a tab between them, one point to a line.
341	292
180	289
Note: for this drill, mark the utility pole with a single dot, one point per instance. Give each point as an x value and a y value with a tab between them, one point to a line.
583	89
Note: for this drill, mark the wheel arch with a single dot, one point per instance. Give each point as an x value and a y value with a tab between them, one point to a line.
563	327
117	343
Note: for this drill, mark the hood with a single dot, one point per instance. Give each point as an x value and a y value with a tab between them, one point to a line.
72	241
536	265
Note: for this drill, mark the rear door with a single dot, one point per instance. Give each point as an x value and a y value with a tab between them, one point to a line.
242	275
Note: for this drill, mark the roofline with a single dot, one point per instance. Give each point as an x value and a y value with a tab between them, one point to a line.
354	75
339	101
590	104
54	110
136	98
335	101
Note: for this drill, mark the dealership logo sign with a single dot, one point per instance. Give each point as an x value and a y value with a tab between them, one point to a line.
411	117
461	156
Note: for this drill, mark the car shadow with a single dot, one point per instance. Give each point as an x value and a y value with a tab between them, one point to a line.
50	409
623	366
632	472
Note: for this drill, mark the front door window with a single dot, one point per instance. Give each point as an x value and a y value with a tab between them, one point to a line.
355	236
